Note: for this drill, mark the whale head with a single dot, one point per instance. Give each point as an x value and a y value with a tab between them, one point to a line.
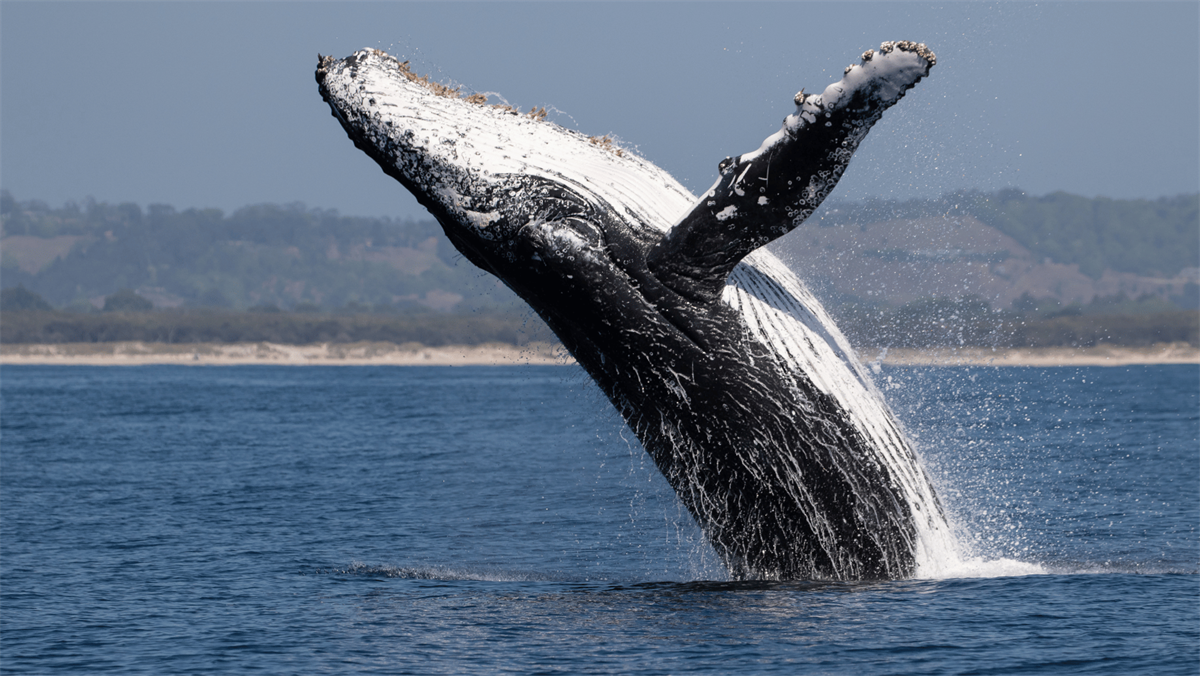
513	191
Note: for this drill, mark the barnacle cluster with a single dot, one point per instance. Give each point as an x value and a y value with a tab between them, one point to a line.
908	46
449	92
903	45
605	142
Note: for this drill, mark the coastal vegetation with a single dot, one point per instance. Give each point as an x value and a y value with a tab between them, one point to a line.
95	272
1153	238
970	322
265	254
26	318
203	325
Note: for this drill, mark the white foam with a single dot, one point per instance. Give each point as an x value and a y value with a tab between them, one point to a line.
957	568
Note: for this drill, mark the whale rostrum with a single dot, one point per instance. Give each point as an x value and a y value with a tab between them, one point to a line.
731	374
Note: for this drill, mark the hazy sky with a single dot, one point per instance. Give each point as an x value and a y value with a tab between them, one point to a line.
214	103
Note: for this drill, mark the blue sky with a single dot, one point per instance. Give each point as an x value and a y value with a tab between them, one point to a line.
213	104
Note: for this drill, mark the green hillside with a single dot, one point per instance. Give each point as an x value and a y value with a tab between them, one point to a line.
290	256
1153	238
204	325
287	274
263	255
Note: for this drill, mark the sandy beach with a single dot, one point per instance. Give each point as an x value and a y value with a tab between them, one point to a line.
1101	355
412	354
327	354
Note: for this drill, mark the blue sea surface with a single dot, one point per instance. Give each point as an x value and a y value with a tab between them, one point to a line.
427	520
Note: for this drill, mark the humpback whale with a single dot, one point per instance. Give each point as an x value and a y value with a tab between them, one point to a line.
736	381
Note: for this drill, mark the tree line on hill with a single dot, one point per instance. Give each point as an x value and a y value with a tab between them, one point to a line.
282	255
289	273
1152	238
25	317
971	322
290	255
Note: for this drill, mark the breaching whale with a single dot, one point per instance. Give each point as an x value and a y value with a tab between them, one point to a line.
731	374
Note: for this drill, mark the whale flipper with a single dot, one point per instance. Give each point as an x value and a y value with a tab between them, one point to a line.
762	195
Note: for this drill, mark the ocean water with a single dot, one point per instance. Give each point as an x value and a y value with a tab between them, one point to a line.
405	520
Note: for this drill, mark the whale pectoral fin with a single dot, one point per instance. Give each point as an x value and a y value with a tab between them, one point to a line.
763	195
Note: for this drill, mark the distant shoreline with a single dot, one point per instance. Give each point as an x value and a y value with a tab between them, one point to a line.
1101	355
136	353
